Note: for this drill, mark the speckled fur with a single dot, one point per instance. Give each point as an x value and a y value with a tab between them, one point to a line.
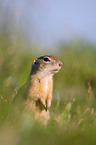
39	91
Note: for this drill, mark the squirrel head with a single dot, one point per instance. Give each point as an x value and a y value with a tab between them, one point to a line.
46	65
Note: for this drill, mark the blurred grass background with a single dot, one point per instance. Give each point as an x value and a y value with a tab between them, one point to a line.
73	109
73	116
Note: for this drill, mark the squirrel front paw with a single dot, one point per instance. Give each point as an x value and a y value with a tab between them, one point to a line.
48	105
43	103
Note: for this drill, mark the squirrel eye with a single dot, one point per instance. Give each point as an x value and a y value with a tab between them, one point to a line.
46	59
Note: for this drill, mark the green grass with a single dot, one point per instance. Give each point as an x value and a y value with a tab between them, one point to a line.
73	109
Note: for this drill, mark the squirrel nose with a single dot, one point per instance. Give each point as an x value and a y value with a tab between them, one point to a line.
60	63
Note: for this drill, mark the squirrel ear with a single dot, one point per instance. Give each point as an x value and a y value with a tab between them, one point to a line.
34	61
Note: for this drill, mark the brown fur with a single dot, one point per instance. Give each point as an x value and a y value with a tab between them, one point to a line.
39	91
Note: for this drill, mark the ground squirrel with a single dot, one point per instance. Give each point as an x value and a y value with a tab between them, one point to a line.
38	89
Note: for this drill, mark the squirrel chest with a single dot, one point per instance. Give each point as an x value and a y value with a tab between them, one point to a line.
41	87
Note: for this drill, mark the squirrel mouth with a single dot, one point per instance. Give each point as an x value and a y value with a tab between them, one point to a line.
55	70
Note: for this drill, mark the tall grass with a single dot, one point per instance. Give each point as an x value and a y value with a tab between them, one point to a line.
73	109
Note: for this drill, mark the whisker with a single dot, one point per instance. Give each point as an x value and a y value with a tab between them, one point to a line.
63	68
